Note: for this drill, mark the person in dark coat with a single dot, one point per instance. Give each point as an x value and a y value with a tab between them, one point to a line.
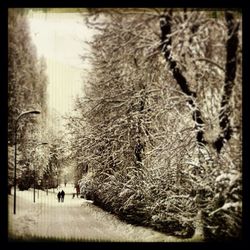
59	196
77	190
62	196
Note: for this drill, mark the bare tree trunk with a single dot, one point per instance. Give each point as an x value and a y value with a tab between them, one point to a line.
231	62
199	232
139	144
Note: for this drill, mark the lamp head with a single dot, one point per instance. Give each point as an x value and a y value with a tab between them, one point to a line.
28	112
35	112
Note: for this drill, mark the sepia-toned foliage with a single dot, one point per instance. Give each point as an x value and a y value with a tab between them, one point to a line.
155	105
27	90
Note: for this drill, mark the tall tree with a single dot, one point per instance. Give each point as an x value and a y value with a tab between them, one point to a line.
27	86
211	73
150	116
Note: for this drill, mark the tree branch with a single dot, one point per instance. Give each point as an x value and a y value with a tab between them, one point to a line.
165	25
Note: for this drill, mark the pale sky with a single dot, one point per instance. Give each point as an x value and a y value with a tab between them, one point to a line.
59	37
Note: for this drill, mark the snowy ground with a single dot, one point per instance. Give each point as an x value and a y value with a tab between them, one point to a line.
76	220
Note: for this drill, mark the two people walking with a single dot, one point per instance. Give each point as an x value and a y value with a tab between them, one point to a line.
60	196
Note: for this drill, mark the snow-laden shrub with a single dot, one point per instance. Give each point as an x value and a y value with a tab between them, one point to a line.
224	218
86	186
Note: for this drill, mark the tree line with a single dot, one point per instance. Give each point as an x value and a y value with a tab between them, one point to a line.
27	90
159	123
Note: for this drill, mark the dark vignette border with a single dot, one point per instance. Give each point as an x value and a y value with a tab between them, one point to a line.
239	4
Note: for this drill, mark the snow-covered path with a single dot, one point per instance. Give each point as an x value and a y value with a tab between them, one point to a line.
75	219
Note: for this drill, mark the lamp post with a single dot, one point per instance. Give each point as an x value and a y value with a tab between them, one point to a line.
34	193
47	182
15	143
56	177
39	183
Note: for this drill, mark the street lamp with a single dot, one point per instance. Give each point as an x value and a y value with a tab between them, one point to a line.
39	183
15	143
34	196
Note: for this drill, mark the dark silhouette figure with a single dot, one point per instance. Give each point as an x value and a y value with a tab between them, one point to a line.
62	196
77	190
59	194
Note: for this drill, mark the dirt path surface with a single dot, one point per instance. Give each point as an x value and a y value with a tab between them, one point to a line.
75	219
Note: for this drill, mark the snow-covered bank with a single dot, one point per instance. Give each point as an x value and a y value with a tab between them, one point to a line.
75	219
